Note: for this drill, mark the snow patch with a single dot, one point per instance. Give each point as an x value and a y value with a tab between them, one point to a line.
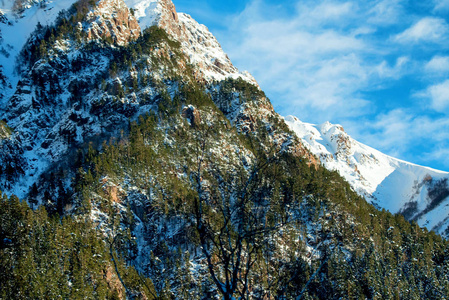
16	32
147	12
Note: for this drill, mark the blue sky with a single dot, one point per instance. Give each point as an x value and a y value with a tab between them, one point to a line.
379	68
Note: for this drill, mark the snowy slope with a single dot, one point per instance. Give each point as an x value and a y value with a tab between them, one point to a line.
197	42
148	12
420	193
16	29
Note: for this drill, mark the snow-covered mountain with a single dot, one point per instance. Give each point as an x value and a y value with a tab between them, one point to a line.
417	192
40	126
129	118
44	132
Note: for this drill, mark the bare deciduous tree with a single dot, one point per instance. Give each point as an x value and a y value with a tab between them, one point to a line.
231	218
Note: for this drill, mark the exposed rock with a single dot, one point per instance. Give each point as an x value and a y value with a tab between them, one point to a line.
192	114
114	282
112	19
168	19
5	131
197	42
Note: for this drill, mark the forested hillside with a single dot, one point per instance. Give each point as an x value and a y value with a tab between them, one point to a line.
142	174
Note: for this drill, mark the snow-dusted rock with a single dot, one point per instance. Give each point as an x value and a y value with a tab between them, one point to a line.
15	31
197	42
112	18
418	192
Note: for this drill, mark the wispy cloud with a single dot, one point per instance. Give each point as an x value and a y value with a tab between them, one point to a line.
439	154
315	13
384	70
385	12
398	131
441	5
438	94
315	58
428	29
438	64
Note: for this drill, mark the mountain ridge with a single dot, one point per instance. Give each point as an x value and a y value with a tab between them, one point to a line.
387	182
39	132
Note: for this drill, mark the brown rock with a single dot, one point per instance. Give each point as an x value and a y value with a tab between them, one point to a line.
191	113
112	19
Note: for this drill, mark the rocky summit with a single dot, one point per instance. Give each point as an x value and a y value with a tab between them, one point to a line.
419	193
137	162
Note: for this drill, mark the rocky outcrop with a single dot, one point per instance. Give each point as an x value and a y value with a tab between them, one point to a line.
192	114
205	52
168	18
111	19
197	42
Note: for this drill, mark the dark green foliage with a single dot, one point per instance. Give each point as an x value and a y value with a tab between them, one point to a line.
79	10
154	36
5	130
192	94
359	252
246	89
387	251
49	258
13	165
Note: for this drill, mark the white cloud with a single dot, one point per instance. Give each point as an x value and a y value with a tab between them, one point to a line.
331	10
313	13
392	130
316	68
385	12
441	5
396	71
438	64
440	154
398	131
428	29
439	95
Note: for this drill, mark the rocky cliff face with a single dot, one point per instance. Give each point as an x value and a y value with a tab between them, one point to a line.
112	19
197	42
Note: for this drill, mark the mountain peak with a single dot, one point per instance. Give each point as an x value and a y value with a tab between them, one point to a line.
415	191
197	42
